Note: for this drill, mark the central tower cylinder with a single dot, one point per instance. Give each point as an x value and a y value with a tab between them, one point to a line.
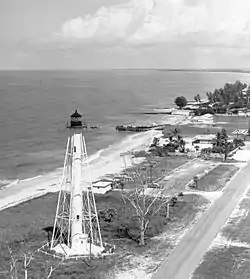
78	238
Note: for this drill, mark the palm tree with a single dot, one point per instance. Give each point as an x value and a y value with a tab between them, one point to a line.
248	95
176	132
216	95
198	98
210	97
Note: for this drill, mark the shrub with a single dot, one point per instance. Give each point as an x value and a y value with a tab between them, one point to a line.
181	101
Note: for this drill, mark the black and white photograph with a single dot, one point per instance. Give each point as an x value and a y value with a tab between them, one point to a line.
124	139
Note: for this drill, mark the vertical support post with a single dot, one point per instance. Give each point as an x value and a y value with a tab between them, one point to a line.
168	210
60	193
88	192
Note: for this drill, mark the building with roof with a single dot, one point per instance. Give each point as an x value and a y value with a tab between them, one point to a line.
240	132
202	102
181	112
102	187
204	139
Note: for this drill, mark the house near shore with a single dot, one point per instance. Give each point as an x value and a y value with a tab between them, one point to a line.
163	141
203	141
181	112
244	91
195	103
240	132
206	118
191	107
102	187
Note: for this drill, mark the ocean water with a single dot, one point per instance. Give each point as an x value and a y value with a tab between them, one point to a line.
35	105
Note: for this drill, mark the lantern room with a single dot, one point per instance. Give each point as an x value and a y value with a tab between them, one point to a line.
76	121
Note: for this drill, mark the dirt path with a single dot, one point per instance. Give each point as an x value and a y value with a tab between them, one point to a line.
188	254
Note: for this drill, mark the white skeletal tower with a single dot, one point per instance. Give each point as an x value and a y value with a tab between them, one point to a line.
76	230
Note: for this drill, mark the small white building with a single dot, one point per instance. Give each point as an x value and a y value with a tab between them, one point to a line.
203	141
181	112
242	113
202	102
163	141
240	132
102	187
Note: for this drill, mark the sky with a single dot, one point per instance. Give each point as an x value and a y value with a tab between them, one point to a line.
108	34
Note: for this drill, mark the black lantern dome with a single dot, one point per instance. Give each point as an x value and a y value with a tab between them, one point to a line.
76	120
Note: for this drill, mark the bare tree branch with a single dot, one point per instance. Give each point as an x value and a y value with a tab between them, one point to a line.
26	264
13	269
151	204
146	206
52	269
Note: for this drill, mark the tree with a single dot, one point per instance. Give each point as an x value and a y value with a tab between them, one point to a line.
181	102
210	97
26	264
155	142
247	97
198	98
175	141
221	143
147	203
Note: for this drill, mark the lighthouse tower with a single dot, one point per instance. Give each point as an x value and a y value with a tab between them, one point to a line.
76	231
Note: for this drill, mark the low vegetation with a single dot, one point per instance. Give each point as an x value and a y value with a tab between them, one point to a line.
128	219
229	260
23	226
224	262
217	178
22	231
175	143
222	145
229	99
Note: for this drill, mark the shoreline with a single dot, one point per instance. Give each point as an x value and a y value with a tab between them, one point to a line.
30	188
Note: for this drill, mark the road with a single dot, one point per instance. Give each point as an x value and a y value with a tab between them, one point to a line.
188	254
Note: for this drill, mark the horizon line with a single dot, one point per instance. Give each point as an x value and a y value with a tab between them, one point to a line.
232	70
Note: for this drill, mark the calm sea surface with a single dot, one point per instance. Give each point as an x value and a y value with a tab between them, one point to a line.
35	105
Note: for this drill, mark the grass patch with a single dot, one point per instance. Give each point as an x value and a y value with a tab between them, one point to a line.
232	261
224	262
237	229
21	227
217	178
